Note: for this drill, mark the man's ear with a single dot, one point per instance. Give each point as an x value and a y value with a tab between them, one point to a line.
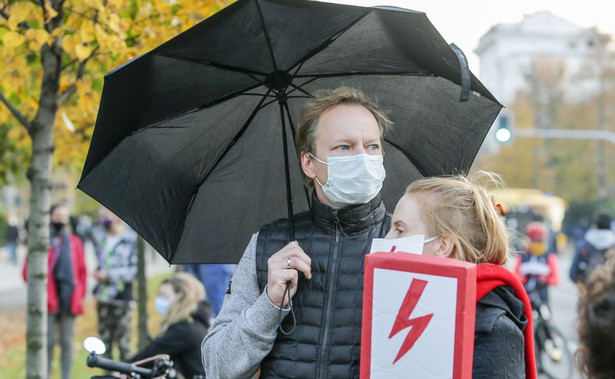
445	247
307	165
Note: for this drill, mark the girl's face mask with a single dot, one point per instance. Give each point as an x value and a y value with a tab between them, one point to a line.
410	244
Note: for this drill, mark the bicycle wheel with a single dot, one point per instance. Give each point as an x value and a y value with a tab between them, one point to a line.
552	364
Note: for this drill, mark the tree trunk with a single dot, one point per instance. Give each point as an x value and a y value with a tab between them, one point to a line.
39	175
142	294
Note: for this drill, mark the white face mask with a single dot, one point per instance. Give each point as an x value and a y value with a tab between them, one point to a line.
354	179
413	244
162	304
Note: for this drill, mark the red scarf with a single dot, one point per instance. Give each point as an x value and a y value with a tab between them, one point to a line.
490	276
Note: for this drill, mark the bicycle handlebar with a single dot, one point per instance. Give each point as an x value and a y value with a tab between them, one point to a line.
125	368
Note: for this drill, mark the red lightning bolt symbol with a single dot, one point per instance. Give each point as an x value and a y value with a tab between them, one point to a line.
403	320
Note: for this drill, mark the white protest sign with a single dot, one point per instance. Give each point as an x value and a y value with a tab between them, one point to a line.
418	317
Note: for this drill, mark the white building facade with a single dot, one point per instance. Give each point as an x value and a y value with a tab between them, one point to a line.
508	54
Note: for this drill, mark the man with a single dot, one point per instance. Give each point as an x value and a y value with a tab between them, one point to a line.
116	272
592	251
66	287
339	141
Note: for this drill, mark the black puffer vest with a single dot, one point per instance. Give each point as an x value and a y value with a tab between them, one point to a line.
326	342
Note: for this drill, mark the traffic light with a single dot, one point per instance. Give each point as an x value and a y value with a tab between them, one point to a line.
504	126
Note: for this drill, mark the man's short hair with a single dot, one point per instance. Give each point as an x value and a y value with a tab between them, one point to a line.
327	99
603	220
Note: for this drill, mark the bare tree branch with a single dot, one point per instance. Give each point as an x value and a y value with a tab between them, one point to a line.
18	115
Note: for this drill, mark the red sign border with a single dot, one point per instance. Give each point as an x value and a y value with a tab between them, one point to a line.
464	272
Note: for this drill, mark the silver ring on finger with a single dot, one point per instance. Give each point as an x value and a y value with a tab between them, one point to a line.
288	263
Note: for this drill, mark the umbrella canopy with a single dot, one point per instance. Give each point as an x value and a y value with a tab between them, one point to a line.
193	144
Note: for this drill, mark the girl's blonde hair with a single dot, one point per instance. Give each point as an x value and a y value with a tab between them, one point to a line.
465	212
188	292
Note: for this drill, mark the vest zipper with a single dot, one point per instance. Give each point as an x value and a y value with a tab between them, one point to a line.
332	272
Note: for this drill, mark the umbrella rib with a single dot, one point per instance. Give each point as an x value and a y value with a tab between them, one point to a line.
414	163
155	123
298	88
329	41
287	97
237	136
267	37
251	73
364	73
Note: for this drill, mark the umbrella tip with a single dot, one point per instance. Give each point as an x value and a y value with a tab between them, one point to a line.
465	73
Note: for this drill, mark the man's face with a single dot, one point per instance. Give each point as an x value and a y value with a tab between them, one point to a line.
346	129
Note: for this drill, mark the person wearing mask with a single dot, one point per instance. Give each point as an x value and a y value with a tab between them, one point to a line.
215	277
115	273
66	287
339	142
185	320
459	219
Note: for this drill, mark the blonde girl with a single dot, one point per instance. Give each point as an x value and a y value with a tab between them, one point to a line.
185	322
460	219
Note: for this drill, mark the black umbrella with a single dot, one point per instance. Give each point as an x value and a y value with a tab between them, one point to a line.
193	145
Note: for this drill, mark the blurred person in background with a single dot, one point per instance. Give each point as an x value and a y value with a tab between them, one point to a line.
593	250
215	278
13	238
538	267
597	323
185	320
66	286
116	271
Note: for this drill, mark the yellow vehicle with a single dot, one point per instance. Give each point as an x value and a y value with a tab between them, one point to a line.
523	205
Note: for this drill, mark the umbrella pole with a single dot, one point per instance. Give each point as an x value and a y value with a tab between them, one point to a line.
289	203
292	129
289	195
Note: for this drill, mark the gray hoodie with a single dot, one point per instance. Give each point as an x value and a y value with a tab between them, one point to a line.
600	238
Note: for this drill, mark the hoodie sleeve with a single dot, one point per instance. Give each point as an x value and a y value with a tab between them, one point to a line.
246	327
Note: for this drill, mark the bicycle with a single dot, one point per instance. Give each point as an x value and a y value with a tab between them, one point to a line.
161	365
553	356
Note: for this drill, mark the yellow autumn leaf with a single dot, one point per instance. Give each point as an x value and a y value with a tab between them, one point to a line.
37	38
69	42
87	32
13	39
114	23
82	51
20	11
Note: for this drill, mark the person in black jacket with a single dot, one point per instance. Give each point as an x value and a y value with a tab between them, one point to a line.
459	219
186	319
